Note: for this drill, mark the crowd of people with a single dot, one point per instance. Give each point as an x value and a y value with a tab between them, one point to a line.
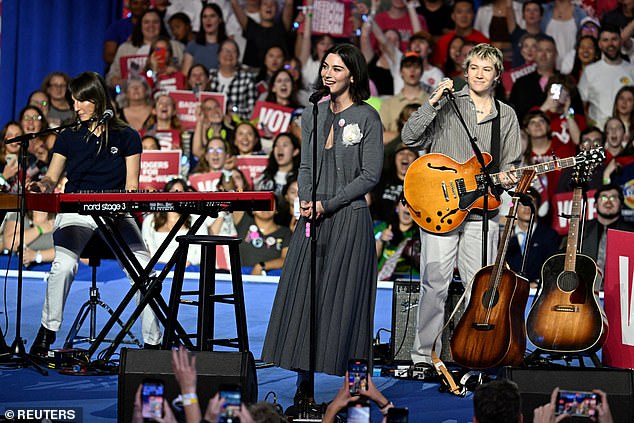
535	81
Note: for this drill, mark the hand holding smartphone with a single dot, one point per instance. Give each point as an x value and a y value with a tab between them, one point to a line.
152	399
357	376
576	403
232	397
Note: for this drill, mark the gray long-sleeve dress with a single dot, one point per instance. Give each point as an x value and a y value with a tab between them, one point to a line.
346	255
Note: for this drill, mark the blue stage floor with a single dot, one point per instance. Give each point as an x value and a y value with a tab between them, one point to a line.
96	396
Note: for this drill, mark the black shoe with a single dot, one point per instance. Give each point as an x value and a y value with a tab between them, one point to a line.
303	396
147	346
43	341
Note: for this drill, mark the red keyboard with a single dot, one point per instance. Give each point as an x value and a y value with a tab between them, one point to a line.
182	202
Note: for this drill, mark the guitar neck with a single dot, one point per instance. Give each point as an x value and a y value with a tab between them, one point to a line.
573	231
539	168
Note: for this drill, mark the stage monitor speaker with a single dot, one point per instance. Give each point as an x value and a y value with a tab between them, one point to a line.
214	368
537	384
405	295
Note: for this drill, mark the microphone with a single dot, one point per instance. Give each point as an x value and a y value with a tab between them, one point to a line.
107	115
447	93
319	94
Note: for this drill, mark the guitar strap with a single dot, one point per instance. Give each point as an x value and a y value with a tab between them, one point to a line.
495	140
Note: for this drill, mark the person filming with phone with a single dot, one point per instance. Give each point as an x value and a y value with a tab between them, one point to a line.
596	407
355	395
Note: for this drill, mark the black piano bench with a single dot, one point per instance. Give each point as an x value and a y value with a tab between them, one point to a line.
206	293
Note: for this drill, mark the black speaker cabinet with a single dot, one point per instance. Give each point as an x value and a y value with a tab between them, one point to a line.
214	368
405	295
537	384
404	315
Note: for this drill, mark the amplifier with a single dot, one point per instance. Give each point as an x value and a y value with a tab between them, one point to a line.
404	315
405	295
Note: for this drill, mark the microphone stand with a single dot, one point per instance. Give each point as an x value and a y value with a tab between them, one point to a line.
488	182
313	261
18	350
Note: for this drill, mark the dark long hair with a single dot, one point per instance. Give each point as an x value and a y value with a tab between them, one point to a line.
222	30
356	64
577	67
272	167
90	86
160	218
615	114
136	38
272	97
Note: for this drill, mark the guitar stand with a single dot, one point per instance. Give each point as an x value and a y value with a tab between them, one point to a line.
537	358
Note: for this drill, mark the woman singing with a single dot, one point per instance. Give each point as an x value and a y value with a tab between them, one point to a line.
349	163
96	157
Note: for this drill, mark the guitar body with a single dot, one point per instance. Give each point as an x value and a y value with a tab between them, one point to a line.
501	340
567	316
440	192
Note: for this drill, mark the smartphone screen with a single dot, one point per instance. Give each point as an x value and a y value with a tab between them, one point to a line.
397	415
231	394
579	404
152	399
357	376
358	412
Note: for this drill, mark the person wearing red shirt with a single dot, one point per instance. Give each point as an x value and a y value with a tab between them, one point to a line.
462	16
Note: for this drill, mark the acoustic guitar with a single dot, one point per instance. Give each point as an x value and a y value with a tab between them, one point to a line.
440	192
491	332
567	316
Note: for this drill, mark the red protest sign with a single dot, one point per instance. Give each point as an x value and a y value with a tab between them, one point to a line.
252	166
271	118
618	300
158	167
332	17
132	66
186	102
205	182
562	204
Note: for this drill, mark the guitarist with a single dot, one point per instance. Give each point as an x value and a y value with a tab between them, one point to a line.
435	127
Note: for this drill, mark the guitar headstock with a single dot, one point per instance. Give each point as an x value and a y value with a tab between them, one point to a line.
586	163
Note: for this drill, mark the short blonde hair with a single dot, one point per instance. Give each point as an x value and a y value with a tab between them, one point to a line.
487	52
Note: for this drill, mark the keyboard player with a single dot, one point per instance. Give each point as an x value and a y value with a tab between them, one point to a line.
101	154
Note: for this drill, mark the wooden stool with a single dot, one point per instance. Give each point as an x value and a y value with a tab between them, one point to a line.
207	297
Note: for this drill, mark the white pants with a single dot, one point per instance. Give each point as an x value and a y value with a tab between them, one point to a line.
438	257
72	233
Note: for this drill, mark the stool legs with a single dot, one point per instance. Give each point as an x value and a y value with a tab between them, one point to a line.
206	293
177	287
238	293
206	298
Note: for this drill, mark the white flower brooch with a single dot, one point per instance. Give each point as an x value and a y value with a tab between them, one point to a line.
351	134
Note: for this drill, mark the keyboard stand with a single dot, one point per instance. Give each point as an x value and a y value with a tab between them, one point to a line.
150	287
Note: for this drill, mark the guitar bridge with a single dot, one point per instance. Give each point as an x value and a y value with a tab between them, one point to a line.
566	308
483	326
